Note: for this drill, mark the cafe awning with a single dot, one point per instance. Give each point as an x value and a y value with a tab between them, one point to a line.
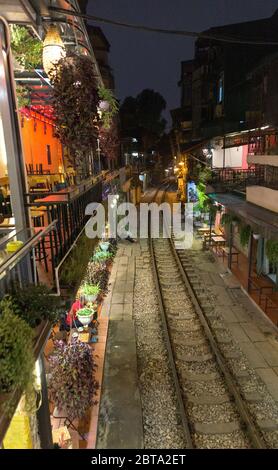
261	220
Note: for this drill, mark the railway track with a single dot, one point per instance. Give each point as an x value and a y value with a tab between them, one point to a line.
213	411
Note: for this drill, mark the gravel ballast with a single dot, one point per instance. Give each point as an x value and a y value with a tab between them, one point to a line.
160	416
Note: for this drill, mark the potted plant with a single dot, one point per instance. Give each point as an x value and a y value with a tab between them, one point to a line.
85	315
72	385
108	106
101	256
90	291
97	274
104	245
34	304
16	352
272	255
245	233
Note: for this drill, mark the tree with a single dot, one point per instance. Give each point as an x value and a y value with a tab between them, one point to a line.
141	117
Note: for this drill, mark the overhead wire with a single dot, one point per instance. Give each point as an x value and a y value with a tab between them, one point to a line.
191	34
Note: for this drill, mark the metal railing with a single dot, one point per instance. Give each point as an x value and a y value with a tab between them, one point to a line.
22	266
68	210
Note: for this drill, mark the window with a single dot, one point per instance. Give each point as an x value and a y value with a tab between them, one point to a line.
48	153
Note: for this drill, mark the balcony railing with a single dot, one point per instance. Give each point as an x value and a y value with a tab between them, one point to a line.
234	177
24	265
68	210
263	145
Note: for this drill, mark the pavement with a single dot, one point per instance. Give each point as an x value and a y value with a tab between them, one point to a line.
120	424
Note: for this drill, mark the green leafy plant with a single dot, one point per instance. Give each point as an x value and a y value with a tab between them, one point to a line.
16	352
90	289
74	267
245	232
34	304
272	251
101	256
113	246
205	174
26	48
97	274
107	115
23	97
202	197
72	384
85	312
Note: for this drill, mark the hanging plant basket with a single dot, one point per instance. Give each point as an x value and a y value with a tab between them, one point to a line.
245	233
75	102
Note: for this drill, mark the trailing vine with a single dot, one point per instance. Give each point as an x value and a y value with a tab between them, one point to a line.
75	102
245	232
228	219
272	251
26	49
109	141
109	106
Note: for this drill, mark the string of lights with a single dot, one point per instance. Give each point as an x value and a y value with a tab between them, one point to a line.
191	34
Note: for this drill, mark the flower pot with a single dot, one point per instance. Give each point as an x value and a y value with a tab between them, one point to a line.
90	298
104	246
104	105
85	319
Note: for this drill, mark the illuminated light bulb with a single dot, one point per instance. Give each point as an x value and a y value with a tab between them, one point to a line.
53	49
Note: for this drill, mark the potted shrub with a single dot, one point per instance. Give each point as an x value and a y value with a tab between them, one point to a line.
72	385
16	352
34	304
101	256
85	315
97	274
90	291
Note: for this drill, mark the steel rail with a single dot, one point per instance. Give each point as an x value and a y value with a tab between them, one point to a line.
250	426
178	391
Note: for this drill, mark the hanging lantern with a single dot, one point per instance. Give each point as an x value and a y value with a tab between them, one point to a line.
53	49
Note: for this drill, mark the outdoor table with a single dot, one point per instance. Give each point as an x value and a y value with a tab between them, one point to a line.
53	198
37	217
8	222
207	238
198	224
226	252
218	241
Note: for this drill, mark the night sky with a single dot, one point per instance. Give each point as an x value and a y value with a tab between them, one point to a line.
150	60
